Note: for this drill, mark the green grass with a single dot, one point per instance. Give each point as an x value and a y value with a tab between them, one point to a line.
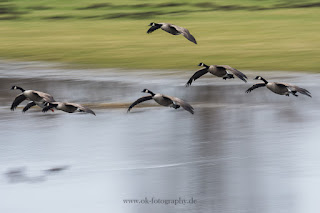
248	35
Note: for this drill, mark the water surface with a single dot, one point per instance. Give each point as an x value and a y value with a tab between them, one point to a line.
239	152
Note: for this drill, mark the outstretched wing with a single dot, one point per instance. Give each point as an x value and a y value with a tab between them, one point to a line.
182	103
17	101
255	86
153	28
80	108
197	75
235	72
42	95
185	32
142	99
299	89
28	106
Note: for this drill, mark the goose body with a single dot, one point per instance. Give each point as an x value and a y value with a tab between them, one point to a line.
222	71
172	29
163	100
279	88
67	107
35	98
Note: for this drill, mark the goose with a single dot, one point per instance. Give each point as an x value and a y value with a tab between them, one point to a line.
279	88
67	107
35	97
163	100
217	70
172	29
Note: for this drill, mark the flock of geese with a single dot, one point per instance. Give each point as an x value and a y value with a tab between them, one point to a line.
47	102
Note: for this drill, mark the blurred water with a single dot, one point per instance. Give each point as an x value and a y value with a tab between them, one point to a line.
239	152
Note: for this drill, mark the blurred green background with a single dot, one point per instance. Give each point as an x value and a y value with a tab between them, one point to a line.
246	34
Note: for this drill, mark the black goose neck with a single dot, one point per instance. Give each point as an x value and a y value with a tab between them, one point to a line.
264	80
20	88
151	93
205	65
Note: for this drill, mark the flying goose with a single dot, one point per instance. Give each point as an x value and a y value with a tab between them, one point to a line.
67	107
217	70
163	100
172	29
35	97
279	88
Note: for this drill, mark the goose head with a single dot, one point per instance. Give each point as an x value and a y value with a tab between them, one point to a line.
152	24
14	87
145	91
148	91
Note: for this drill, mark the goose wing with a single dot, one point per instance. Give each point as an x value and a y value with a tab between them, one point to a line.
153	28
197	75
182	103
28	106
298	89
282	85
45	96
79	107
17	101
255	86
185	32
302	91
142	99
235	72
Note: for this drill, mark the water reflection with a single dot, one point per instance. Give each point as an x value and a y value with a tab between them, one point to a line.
20	175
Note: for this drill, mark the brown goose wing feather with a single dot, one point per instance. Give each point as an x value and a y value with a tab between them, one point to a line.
197	75
182	103
17	101
255	86
185	32
235	72
142	99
